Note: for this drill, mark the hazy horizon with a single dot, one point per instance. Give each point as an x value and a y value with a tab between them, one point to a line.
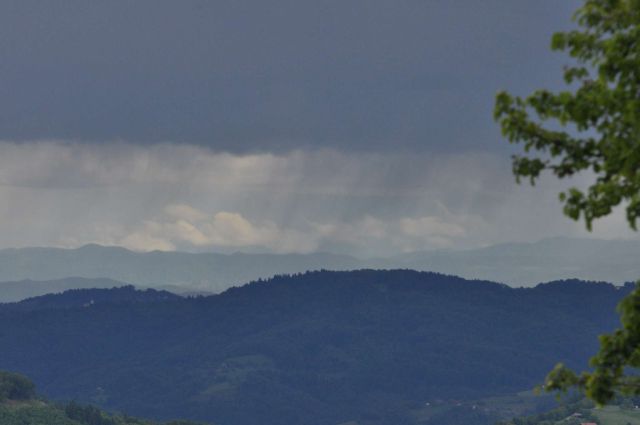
263	250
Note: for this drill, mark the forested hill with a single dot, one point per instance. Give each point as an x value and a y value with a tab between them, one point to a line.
316	348
74	298
19	290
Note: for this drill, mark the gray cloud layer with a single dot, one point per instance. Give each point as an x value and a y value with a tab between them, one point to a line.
185	197
251	75
289	126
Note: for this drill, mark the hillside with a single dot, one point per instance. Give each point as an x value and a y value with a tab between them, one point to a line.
13	291
20	406
317	348
621	411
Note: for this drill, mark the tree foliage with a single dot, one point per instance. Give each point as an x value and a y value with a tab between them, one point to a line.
19	406
592	126
14	386
595	124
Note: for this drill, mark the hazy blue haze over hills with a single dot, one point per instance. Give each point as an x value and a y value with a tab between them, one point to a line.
214	272
526	264
517	264
318	348
23	289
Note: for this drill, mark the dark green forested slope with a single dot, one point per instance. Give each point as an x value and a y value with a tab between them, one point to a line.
318	348
20	406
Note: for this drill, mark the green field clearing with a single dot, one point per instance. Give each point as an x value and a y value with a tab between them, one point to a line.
614	415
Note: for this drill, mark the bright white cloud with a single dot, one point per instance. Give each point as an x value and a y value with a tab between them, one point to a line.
183	224
141	241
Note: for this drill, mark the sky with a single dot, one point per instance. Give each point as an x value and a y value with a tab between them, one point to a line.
360	127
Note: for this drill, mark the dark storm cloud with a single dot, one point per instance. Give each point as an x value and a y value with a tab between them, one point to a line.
271	75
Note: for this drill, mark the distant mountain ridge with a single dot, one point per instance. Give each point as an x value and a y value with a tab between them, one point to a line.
526	264
516	264
320	348
205	271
